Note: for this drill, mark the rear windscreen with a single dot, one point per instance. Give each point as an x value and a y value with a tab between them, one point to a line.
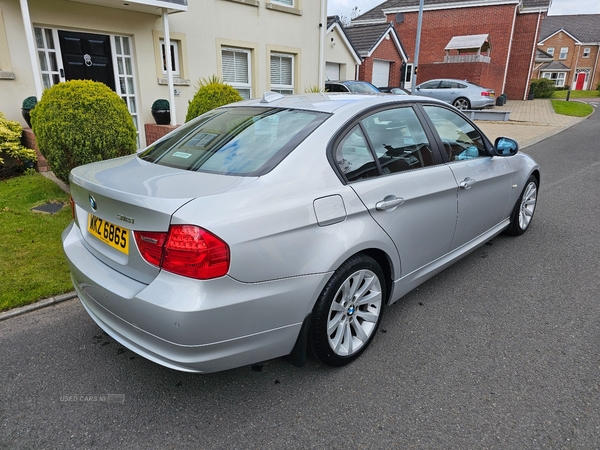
236	141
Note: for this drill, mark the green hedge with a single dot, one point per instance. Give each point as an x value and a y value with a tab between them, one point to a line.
79	122
543	87
211	94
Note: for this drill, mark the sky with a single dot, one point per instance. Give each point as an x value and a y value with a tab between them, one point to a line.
559	7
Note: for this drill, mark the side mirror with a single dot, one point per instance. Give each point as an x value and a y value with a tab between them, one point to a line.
506	146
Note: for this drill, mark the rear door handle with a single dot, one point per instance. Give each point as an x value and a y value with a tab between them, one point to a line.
467	183
389	203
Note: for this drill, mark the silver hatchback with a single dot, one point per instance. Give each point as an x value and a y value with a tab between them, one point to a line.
459	93
269	226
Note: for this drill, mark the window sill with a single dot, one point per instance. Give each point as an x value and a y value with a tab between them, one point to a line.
7	75
246	2
285	9
176	81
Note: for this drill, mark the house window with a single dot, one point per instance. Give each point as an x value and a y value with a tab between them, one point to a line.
563	53
282	73
45	40
284	2
557	77
236	70
550	51
174	57
125	76
586	52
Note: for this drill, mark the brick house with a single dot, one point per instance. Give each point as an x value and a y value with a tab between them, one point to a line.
511	26
382	52
572	46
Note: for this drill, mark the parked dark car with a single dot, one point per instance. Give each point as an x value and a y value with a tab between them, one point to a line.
358	87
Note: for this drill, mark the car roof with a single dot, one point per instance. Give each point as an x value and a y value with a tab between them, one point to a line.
331	102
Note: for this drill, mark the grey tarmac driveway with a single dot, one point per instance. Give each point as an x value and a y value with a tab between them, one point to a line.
499	351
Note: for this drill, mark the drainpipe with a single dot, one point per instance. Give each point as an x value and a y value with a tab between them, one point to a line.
574	75
322	26
31	47
595	68
512	32
537	30
165	17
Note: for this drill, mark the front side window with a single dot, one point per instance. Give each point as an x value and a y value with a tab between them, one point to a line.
461	141
236	70
383	143
563	53
235	141
282	73
430	85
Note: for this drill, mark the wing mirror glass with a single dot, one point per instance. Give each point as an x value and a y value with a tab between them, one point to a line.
506	146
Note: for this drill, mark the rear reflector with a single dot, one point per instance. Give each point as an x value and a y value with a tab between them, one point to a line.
186	250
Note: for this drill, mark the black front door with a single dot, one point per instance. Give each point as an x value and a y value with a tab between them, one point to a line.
87	57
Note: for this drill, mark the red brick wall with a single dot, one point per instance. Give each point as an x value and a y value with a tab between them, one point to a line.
28	140
154	132
521	55
385	51
439	26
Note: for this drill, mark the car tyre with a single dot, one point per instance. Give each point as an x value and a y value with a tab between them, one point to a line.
522	213
348	312
461	103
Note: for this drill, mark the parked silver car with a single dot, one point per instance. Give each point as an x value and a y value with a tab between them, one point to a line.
459	93
267	226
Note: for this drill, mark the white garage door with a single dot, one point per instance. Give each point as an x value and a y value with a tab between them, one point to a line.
332	71
381	73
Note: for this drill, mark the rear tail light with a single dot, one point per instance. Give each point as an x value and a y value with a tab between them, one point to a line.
486	93
186	250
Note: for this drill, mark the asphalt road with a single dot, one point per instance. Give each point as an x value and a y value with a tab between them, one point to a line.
499	351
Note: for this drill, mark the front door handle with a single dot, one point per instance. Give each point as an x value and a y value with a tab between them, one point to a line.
389	203
467	183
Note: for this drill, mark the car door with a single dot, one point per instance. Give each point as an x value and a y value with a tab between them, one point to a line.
447	91
389	162
429	89
484	181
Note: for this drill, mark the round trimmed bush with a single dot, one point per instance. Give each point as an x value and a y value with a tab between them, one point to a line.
79	122
211	94
543	87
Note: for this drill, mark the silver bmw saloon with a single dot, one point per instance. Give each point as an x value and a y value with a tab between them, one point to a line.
273	226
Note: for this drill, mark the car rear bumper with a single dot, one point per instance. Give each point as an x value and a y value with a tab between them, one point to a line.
192	325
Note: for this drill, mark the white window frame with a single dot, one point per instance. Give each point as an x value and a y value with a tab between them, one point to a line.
49	77
243	87
283	88
558	77
174	57
289	3
564	52
550	51
586	52
124	71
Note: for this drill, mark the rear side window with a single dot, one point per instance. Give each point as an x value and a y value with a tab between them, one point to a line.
235	141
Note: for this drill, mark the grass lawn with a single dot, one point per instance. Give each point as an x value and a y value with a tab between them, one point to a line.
32	265
576	94
576	109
